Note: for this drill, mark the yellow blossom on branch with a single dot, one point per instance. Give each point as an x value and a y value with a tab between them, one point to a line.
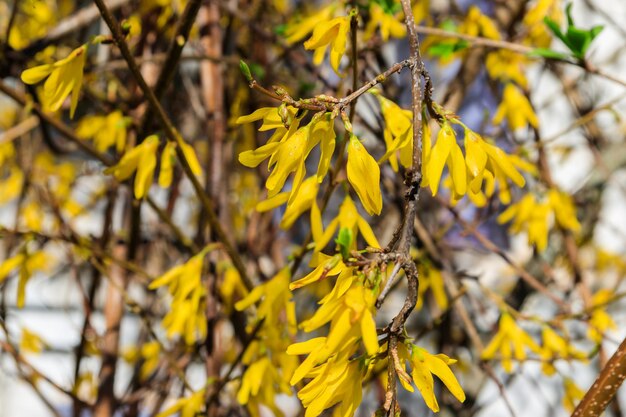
389	22
186	407
510	342
298	29
106	131
364	176
555	347
333	33
424	366
63	77
534	216
348	218
600	321
446	151
140	160
516	108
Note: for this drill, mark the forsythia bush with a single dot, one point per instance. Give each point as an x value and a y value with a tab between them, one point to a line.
354	203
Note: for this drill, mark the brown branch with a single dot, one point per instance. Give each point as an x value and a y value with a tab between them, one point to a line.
605	387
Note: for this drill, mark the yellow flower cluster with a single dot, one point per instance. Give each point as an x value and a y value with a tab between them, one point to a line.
187	313
483	164
62	78
535	216
27	264
423	366
269	367
511	342
105	131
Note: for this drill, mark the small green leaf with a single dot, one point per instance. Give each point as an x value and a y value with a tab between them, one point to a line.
445	49
548	53
245	70
344	241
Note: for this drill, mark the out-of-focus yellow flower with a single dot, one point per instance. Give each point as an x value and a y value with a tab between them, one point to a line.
506	66
63	77
275	300
187	407
11	187
348	218
516	108
364	176
148	354
390	23
421	10
538	34
142	160
32	21
535	216
478	24
232	287
298	29
425	365
556	347
430	278
446	151
510	342
106	131
333	33
260	384
31	342
600	320
187	313
573	394
28	264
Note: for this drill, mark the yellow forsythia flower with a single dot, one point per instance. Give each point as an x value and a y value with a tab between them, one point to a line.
351	317
430	278
573	394
556	347
168	159
28	264
106	131
510	342
486	160
187	313
364	176
142	160
390	23
425	365
535	216
31	342
275	300
11	187
333	33
347	218
600	320
538	34
300	201
506	66
446	151
63	77
298	29
335	382
186	407
516	108
398	133
478	24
